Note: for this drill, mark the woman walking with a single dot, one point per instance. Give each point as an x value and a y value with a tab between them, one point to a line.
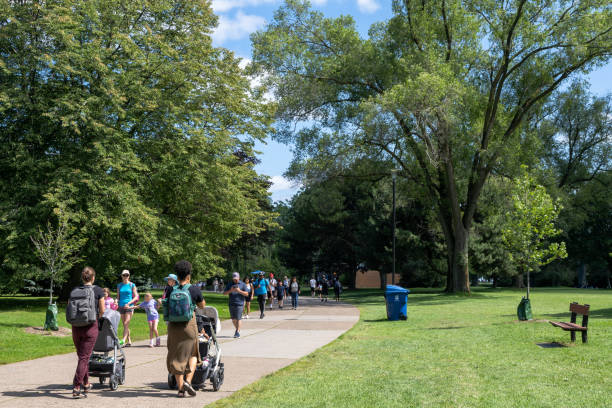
249	298
183	351
294	290
84	331
127	294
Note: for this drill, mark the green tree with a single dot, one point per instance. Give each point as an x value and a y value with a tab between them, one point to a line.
529	227
124	115
443	89
56	248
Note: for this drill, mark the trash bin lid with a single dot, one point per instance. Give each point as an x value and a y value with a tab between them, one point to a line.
396	289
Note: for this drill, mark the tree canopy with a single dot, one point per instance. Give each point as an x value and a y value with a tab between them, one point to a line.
126	117
443	89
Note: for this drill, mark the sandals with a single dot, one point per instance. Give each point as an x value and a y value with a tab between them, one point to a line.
189	389
87	388
181	394
76	393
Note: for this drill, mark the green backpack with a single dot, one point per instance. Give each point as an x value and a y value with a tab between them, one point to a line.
180	306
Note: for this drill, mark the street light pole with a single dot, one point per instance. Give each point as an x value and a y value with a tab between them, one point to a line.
394	177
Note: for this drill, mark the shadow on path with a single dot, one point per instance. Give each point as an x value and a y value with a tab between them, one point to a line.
61	391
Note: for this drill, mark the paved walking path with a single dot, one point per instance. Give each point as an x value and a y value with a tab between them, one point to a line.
267	345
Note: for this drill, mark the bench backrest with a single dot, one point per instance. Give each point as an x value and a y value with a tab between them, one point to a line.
579	309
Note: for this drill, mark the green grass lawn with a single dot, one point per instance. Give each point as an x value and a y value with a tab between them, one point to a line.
17	313
454	351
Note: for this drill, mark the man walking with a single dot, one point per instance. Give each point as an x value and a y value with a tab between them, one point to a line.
237	291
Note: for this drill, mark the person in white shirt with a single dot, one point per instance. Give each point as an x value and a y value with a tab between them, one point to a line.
273	284
313	286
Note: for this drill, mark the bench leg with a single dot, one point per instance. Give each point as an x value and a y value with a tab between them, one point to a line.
573	336
584	336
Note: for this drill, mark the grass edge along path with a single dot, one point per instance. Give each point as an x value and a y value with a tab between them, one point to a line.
19	312
454	351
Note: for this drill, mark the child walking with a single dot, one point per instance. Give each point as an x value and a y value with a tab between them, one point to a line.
109	302
280	293
151	306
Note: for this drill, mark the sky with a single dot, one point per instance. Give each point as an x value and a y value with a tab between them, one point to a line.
239	18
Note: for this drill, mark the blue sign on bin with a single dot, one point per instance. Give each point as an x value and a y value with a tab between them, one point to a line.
396	299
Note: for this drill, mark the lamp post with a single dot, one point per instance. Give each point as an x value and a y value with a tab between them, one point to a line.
393	177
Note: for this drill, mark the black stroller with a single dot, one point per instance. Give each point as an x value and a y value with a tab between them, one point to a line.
212	367
108	365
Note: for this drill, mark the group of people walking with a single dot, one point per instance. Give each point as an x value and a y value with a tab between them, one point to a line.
242	292
183	352
320	287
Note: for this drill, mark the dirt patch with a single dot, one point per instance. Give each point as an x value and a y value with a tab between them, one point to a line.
62	332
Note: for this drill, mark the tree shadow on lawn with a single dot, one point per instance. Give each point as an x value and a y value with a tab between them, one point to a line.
2	324
597	313
26	304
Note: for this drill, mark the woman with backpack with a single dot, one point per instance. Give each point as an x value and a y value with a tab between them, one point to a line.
183	351
127	295
85	306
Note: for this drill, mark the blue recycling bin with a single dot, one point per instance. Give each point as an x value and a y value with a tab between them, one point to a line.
396	299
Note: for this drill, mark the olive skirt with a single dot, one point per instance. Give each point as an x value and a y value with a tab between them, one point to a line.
182	345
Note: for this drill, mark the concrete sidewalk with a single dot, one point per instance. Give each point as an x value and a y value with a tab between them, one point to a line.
267	345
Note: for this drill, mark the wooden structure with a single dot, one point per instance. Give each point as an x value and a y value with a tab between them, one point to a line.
572	327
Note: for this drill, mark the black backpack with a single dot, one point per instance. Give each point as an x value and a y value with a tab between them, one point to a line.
81	309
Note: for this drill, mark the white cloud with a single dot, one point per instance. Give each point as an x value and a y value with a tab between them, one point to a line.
279	183
237	28
367	6
318	2
220	6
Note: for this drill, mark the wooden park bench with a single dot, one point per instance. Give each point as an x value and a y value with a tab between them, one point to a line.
572	327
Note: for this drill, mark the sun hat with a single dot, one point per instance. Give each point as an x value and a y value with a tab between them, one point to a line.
125	272
171	276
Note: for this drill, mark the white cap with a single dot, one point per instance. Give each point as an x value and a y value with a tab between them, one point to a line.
235	275
125	272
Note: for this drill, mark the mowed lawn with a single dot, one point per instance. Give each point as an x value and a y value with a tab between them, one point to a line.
19	312
453	351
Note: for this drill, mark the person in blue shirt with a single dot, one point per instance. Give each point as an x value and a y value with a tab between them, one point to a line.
127	295
262	288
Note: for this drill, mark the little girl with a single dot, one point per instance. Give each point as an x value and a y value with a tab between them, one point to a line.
151	306
109	302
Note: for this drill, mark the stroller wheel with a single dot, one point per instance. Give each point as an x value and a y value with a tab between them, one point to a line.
122	375
215	382
113	383
221	374
172	382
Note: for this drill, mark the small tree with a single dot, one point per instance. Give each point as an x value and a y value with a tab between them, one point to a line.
56	248
530	225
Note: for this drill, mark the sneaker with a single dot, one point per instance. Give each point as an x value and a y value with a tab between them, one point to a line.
236	335
157	342
261	316
247	317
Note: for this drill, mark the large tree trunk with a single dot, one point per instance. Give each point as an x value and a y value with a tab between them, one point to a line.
460	265
457	278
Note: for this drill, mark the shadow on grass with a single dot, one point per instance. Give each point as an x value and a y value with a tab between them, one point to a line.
24	303
418	297
597	313
13	325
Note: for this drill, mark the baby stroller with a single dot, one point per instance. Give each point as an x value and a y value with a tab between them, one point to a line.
212	367
102	363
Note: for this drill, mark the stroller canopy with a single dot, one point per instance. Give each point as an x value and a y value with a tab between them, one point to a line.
107	336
